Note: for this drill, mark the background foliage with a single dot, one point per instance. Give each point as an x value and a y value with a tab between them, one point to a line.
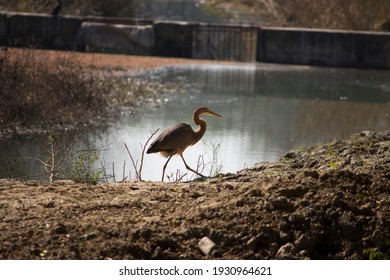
333	14
120	8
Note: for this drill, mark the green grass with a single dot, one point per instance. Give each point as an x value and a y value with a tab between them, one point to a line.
83	170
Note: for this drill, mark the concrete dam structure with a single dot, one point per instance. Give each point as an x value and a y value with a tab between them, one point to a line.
335	48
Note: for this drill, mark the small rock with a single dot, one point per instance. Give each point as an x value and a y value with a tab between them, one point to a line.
287	251
206	245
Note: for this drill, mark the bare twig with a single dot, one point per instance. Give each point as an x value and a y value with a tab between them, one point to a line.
135	163
104	170
143	150
113	172
124	171
138	170
180	178
177	176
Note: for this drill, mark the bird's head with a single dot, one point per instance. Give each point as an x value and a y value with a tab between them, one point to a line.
206	111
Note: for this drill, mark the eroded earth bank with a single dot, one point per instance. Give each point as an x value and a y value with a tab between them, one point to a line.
326	202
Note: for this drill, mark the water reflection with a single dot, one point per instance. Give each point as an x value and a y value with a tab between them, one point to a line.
267	109
270	109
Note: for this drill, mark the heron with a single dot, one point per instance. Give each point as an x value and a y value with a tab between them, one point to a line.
57	9
174	140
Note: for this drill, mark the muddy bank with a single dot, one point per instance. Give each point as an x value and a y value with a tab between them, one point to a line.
327	202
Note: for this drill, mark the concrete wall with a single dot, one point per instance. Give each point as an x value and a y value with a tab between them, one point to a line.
3	28
41	30
114	38
118	20
324	47
77	33
181	39
173	39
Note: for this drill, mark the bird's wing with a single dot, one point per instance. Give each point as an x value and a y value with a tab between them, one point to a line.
175	138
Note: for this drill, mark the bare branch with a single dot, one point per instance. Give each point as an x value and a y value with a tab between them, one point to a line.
138	170
113	172
137	175
124	171
143	150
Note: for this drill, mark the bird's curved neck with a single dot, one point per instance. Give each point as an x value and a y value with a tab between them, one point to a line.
202	123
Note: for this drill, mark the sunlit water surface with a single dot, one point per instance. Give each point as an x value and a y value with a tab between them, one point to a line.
268	110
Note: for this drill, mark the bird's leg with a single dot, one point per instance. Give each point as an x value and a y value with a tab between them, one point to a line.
165	165
189	168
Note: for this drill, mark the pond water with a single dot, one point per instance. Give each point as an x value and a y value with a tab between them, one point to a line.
268	110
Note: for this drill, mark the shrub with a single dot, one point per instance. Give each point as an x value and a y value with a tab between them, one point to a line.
83	170
47	88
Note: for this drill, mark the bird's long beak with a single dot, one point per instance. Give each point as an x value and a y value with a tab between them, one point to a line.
211	113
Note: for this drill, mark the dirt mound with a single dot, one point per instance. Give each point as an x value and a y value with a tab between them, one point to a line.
327	202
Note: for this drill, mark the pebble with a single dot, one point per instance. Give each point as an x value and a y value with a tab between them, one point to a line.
206	245
287	251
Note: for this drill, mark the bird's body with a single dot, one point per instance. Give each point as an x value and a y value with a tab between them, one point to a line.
174	140
57	9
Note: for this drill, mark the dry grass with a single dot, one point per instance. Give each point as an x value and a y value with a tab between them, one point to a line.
54	90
